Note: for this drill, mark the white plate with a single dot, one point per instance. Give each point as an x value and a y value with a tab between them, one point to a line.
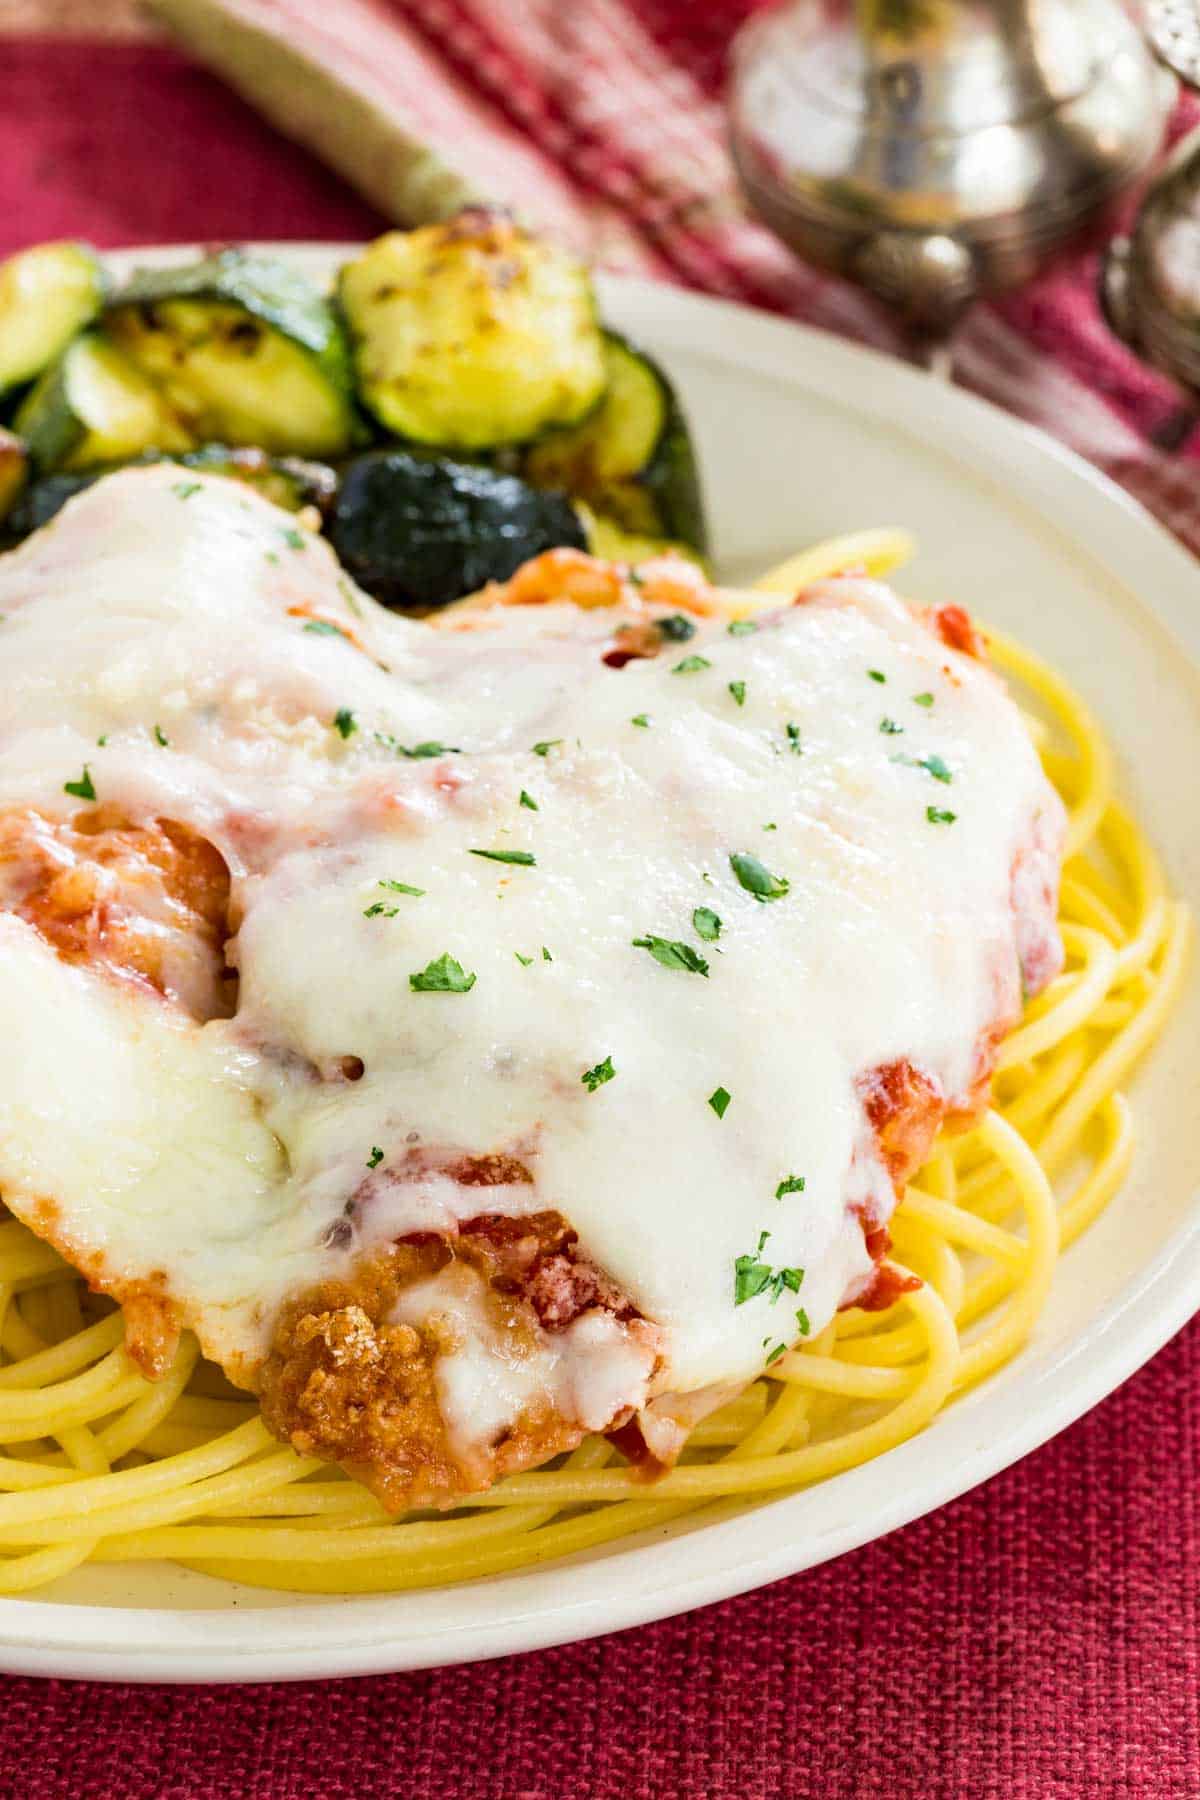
800	436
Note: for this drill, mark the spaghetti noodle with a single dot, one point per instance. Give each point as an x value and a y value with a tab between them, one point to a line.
98	1463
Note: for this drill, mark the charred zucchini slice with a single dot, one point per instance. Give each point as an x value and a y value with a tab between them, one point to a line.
286	480
418	531
289	481
43	498
93	406
14	471
471	333
632	460
244	350
47	294
607	539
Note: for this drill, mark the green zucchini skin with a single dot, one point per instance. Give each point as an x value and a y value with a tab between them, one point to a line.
48	293
245	350
268	289
632	460
291	482
420	532
48	422
472	333
93	407
14	471
44	497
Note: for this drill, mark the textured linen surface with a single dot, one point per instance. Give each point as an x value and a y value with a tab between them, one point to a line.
1036	1640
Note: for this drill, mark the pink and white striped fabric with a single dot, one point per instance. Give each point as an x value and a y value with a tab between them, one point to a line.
602	120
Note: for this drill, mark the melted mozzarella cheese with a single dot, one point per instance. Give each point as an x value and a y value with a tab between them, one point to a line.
224	1153
591	1372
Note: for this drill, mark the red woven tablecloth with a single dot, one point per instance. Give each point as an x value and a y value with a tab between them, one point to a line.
1037	1640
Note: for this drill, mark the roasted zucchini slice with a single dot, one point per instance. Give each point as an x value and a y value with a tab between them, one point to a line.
632	460
290	481
244	350
14	471
420	532
93	406
42	499
47	294
286	480
608	540
472	333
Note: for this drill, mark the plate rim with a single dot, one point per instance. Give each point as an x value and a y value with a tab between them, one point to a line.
361	1635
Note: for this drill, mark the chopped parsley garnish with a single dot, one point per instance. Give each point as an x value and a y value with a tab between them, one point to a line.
349	596
185	489
937	815
544	749
793	738
523	960
877	674
594	1078
83	788
160	736
272	556
375	1158
292	538
752	1277
791	1184
890	727
719	1101
102	741
433	748
780	1349
771	827
642	719
677	628
524	858
326	628
528	801
706	924
922	699
672	954
738	690
377	908
344	722
933	765
691	665
756	878
741	627
442	976
546	956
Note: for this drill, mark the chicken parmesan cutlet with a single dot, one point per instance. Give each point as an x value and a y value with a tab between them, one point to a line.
488	1029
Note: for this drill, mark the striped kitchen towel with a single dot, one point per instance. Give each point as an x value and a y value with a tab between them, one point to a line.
602	121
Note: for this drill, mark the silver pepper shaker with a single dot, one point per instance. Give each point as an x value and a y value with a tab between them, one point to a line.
937	150
1150	279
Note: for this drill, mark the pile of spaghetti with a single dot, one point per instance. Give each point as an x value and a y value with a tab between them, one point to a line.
98	1463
